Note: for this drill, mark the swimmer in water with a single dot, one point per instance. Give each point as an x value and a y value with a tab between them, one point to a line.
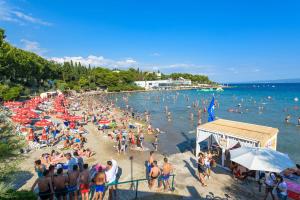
298	121
287	118
199	121
191	116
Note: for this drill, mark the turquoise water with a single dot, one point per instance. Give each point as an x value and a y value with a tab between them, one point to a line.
264	104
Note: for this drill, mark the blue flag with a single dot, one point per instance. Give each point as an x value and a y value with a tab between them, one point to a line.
211	110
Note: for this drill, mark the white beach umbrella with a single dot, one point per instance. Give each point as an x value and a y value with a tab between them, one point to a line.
262	159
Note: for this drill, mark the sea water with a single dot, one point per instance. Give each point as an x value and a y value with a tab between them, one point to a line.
262	104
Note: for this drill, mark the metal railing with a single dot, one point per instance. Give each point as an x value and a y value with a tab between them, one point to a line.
134	182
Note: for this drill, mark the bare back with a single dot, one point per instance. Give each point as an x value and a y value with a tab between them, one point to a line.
44	184
100	178
59	181
155	172
84	177
73	177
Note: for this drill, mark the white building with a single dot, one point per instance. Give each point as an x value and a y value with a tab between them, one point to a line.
159	84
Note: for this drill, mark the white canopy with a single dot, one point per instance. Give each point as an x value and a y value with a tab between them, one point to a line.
262	159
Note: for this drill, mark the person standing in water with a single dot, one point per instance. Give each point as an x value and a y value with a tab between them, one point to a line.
287	118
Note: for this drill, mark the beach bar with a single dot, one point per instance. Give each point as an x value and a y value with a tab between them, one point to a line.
226	135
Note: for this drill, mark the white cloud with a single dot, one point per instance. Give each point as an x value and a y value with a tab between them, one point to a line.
10	14
32	46
98	61
156	54
93	60
233	70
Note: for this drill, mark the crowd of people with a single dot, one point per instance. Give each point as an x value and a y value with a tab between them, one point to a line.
159	175
63	174
65	180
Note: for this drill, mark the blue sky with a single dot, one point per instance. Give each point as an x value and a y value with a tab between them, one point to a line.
227	40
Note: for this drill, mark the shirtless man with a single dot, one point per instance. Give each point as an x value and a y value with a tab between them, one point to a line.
73	177
150	161
166	171
60	182
154	174
99	180
45	186
84	178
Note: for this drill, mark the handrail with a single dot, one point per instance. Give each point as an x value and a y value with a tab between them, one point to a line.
136	181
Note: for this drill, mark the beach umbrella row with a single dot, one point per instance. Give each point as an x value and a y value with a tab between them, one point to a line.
11	104
43	123
69	117
21	119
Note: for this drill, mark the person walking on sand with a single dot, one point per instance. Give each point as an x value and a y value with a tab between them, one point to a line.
155	144
166	172
141	139
201	169
270	182
84	178
154	174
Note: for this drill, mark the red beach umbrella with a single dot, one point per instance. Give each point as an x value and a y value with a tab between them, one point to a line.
25	121
32	115
75	118
105	121
65	116
43	123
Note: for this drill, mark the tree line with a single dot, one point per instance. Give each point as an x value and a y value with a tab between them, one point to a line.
22	73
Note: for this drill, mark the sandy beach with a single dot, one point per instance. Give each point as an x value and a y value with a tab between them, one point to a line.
187	185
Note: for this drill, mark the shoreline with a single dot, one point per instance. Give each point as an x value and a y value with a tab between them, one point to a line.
186	182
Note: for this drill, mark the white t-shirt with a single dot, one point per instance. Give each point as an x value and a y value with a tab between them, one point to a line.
111	174
270	179
283	188
71	163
